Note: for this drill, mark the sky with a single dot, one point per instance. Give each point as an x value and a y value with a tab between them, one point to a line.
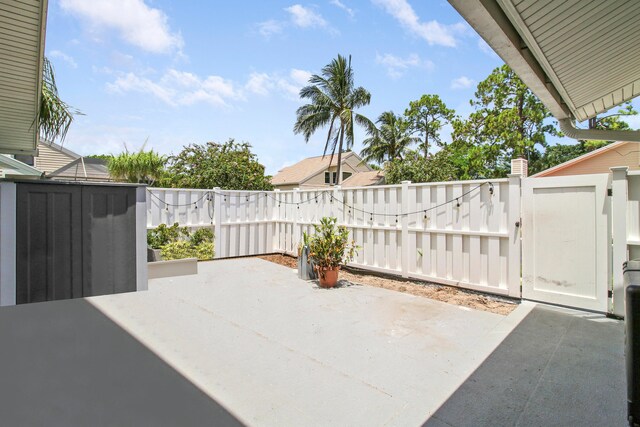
175	73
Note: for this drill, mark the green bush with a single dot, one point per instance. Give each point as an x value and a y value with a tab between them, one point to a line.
184	249
177	242
163	235
201	235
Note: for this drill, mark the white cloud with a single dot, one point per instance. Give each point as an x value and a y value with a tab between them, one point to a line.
305	18
344	7
66	58
433	32
136	22
177	88
462	82
396	66
259	83
288	86
270	27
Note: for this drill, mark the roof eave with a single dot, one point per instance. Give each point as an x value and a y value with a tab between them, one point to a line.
491	23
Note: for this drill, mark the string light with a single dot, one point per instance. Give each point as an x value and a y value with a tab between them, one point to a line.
457	203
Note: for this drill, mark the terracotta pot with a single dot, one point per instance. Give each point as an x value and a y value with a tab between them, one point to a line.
328	276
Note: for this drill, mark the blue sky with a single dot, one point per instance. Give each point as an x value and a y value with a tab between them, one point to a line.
175	73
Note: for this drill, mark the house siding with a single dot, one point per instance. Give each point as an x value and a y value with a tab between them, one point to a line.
625	155
50	159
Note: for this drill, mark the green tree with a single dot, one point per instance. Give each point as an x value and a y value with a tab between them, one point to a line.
558	154
426	116
146	167
417	168
389	141
54	116
230	166
333	100
509	115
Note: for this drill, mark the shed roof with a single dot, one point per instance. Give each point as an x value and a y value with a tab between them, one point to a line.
580	57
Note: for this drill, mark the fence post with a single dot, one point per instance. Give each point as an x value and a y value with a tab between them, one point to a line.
405	229
275	220
296	216
619	200
335	207
217	215
514	225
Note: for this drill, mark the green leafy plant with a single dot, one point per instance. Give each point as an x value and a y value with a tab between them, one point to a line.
163	235
200	236
177	242
330	245
184	249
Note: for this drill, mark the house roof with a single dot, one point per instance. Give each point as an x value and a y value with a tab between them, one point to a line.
364	179
84	168
580	57
11	166
579	159
22	30
307	168
60	148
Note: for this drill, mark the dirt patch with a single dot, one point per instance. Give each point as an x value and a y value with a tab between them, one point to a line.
448	294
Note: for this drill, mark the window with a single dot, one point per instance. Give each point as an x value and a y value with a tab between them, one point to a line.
330	177
346	175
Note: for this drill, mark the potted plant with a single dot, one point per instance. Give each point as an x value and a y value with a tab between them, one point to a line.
306	268
330	247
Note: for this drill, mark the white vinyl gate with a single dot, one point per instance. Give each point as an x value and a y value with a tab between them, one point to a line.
566	240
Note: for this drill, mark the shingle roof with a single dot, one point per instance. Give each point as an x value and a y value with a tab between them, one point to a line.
306	168
364	179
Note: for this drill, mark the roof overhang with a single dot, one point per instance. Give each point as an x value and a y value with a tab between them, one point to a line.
580	57
13	167
22	33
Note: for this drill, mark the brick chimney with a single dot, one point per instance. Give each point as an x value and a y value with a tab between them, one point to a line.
520	167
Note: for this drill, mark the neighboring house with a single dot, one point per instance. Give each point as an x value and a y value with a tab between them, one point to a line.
316	172
51	157
10	167
598	161
83	169
364	179
58	162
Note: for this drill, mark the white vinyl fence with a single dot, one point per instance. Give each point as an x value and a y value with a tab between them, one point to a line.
461	233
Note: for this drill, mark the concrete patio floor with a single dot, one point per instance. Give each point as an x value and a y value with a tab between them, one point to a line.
245	341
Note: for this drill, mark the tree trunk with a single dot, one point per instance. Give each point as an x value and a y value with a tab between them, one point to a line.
426	145
339	170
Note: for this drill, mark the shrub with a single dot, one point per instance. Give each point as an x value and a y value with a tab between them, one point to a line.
163	235
201	235
176	242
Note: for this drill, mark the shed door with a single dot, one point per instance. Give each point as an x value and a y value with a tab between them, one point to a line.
566	240
48	242
109	239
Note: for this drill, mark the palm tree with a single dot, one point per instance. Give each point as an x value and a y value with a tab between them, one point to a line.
390	141
140	167
55	116
333	100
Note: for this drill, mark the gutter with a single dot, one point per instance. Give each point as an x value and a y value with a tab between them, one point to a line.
568	128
